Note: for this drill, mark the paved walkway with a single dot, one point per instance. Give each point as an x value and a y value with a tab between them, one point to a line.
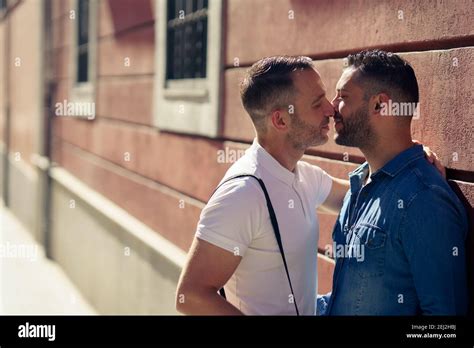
29	282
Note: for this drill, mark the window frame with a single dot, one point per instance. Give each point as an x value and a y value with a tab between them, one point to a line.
190	106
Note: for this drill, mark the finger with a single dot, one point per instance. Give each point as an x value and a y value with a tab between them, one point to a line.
429	155
434	155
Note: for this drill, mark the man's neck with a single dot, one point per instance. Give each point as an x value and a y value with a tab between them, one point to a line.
284	153
379	154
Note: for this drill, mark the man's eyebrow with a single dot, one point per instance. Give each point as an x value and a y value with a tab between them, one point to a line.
319	97
341	89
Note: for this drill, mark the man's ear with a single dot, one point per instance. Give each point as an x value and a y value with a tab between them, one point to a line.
380	104
279	119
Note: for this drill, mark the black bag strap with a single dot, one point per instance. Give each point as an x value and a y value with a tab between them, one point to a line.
276	229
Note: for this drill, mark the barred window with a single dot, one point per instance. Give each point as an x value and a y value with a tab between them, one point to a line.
84	50
83	41
186	39
189	62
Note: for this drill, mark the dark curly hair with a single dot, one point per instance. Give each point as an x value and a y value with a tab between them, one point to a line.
386	72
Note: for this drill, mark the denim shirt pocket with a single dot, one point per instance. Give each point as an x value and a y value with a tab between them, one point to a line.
370	241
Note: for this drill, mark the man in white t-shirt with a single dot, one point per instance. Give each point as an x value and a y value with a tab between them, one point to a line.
235	244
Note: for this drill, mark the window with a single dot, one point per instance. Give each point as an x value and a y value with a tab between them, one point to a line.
186	39
83	41
188	61
83	67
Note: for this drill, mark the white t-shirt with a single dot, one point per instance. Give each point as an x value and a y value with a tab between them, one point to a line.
236	219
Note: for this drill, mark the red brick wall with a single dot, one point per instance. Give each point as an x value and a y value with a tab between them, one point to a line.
165	168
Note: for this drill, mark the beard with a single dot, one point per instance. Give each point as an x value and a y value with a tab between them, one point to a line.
356	130
303	135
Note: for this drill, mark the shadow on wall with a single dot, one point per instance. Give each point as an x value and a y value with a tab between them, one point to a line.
469	245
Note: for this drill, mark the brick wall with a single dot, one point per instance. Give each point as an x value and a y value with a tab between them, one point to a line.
167	169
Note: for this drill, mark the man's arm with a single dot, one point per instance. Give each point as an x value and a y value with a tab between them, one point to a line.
333	203
207	269
433	235
225	230
322	302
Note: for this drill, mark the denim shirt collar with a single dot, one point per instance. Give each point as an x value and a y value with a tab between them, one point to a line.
357	177
391	168
402	160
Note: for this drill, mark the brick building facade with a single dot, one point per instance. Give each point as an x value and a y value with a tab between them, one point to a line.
116	198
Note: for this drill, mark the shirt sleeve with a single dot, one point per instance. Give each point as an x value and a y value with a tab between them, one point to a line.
433	235
322	184
322	302
233	216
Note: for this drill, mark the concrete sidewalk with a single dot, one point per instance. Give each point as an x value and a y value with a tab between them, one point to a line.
31	284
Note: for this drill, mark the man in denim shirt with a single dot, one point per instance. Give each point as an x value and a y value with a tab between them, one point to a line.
399	239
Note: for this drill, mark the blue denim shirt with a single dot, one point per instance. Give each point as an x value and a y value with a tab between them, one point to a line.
399	243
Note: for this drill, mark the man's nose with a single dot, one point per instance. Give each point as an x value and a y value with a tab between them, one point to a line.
329	112
335	105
